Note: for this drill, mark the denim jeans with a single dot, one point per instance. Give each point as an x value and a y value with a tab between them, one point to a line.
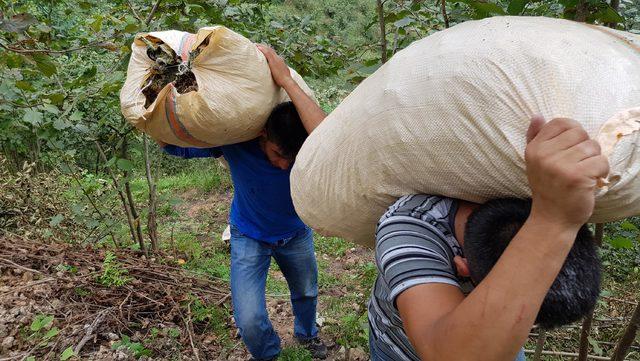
250	260
375	356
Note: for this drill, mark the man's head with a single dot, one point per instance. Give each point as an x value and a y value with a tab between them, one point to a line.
574	292
283	135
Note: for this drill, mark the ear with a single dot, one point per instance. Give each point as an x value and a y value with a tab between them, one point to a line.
462	267
262	133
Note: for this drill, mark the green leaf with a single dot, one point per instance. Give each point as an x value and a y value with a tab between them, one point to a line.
30	358
67	354
596	348
516	6
32	117
124	164
24	85
620	242
50	108
483	9
403	22
628	226
56	98
96	25
17	23
131	28
13	60
51	334
61	124
55	221
89	73
76	116
45	64
84	5
607	15
40	322
277	25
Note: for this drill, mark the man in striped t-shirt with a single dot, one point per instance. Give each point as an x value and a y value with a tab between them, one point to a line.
531	261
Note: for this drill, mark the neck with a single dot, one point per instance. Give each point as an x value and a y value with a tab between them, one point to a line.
462	214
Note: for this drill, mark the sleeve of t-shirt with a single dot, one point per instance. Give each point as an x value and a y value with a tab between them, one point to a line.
409	252
187	153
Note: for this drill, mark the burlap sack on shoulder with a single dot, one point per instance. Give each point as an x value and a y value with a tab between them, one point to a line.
448	115
235	90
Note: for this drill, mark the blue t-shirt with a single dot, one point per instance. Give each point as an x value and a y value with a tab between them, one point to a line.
262	208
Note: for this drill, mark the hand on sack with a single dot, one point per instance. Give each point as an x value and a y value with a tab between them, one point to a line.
279	69
563	166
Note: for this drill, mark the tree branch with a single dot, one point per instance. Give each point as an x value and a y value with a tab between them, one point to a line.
443	7
153	11
95	44
133	10
383	32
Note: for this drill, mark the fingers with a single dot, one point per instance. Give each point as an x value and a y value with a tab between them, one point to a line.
566	139
595	167
583	150
556	127
537	122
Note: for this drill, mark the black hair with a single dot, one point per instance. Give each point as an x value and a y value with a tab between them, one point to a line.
285	129
575	290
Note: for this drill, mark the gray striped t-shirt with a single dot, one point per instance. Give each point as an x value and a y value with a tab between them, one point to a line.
415	244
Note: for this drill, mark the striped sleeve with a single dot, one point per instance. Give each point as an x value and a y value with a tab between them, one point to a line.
410	252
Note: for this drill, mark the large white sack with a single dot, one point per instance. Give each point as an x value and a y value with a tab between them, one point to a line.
448	115
235	90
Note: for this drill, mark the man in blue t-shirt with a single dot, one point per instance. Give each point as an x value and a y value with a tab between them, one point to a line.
264	223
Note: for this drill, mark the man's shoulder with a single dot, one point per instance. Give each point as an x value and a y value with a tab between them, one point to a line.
419	206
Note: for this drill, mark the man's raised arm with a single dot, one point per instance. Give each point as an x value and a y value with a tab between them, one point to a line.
310	113
493	321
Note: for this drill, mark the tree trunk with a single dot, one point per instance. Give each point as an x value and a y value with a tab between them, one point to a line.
443	7
383	31
615	4
582	11
622	348
540	345
151	219
127	211
132	206
586	324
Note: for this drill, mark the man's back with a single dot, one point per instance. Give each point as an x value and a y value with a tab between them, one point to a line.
262	207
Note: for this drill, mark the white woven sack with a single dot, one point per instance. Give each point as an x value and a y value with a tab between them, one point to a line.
448	115
235	90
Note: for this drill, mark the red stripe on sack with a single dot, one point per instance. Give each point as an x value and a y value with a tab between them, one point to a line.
187	41
176	126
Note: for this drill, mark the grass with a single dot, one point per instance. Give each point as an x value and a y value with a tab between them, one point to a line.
295	353
206	177
333	246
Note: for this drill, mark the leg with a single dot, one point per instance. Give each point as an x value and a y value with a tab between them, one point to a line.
297	261
249	266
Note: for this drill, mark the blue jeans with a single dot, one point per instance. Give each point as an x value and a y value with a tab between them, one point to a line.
250	260
375	356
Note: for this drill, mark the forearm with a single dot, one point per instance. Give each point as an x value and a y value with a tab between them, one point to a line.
310	113
493	322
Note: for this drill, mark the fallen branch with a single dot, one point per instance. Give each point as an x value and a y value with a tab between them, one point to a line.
19	266
189	326
90	330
